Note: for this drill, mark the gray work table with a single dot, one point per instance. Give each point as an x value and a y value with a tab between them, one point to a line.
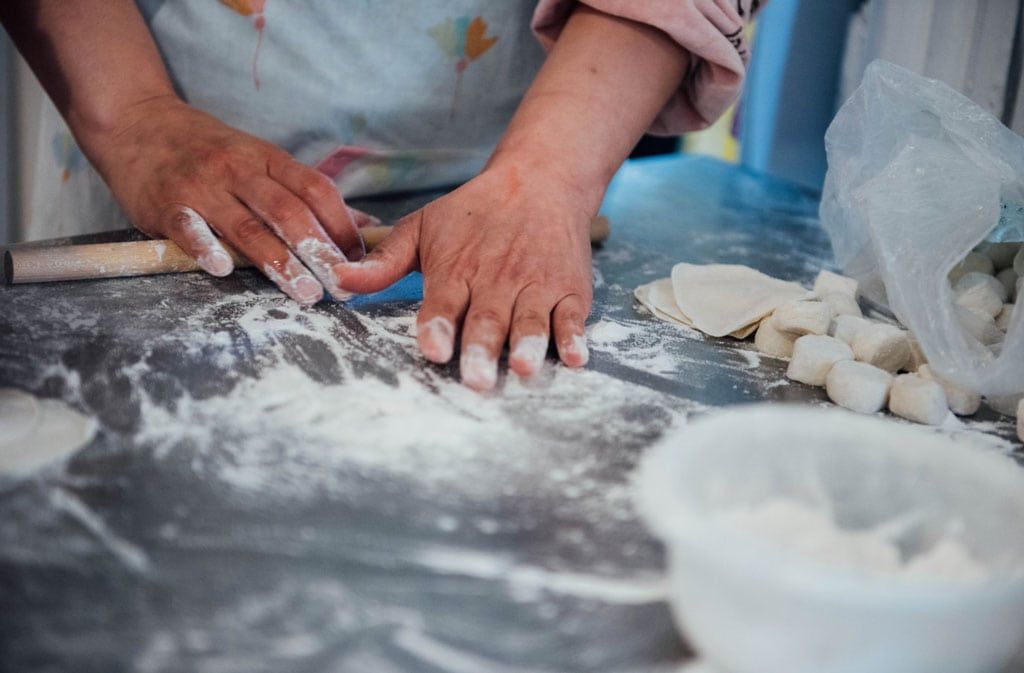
254	501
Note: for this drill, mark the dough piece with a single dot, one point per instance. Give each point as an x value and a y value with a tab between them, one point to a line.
1020	420
842	304
813	357
37	432
917	357
883	346
858	386
1018	262
659	299
1009	279
771	341
917	399
980	292
803	317
974	261
845	327
828	282
981	326
961	401
1003	319
723	299
1001	254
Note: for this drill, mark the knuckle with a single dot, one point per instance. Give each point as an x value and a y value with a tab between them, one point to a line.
249	231
484	317
284	208
221	158
316	187
530	315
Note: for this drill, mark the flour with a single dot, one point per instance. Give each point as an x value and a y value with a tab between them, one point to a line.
813	534
306	430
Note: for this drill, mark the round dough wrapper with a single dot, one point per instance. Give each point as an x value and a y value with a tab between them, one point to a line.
54	432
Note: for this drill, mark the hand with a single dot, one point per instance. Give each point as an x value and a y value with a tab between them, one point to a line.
506	256
179	173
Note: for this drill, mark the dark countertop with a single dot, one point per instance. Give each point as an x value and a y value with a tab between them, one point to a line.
277	489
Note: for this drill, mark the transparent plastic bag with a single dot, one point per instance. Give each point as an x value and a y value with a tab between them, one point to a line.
918	175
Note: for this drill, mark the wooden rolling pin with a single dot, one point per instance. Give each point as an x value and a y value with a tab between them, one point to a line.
43	263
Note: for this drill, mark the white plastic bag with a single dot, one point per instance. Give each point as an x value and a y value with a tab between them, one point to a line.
917	176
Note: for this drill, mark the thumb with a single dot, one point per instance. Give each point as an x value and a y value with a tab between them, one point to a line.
392	259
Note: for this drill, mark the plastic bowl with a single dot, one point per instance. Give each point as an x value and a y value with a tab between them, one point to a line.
750	604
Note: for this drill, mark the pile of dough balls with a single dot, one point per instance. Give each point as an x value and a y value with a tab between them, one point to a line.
865	365
985	288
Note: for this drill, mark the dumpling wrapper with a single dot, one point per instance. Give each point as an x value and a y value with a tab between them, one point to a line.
659	298
721	299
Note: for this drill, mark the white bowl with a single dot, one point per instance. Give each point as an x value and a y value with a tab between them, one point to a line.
750	604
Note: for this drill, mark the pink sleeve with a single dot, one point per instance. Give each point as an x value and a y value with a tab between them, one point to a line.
711	30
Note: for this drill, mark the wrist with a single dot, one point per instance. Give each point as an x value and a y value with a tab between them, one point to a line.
102	132
546	169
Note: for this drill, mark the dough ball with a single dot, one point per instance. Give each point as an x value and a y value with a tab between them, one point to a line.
858	386
38	432
917	357
961	401
1001	254
917	399
1003	319
883	346
1009	279
1018	262
842	304
771	341
828	283
803	317
813	357
845	327
980	292
980	325
974	261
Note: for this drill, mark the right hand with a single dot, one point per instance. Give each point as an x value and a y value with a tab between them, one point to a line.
180	173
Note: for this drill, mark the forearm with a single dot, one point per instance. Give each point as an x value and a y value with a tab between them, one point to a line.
95	58
602	85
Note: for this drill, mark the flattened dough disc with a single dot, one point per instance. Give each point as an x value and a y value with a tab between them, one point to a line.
721	299
35	433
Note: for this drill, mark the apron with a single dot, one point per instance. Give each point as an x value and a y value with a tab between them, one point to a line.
380	95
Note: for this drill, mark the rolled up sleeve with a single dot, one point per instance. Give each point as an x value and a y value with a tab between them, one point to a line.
710	30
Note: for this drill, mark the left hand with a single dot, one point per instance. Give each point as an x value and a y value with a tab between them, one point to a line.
507	257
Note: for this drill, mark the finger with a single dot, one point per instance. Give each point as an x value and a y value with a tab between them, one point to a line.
295	224
362	219
321	196
529	337
238	226
443	307
568	320
484	332
190	231
390	261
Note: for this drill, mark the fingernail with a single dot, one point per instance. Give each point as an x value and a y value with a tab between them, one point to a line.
437	339
307	290
322	259
529	353
578	347
479	370
216	263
